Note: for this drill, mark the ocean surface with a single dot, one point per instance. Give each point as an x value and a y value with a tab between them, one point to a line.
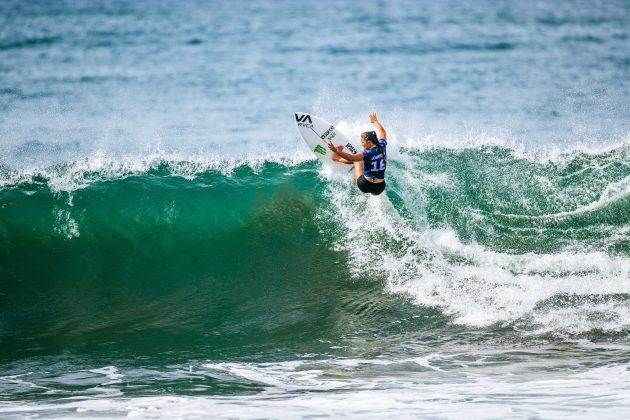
169	248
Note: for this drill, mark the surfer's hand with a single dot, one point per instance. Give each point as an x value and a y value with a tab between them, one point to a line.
332	147
373	117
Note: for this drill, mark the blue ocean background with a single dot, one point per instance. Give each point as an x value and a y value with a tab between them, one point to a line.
169	248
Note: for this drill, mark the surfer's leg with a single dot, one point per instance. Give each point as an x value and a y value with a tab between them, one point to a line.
358	169
338	158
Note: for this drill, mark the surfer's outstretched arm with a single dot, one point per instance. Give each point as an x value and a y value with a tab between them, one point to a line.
379	127
356	157
337	158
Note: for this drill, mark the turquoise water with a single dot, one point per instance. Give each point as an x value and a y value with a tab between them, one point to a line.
169	248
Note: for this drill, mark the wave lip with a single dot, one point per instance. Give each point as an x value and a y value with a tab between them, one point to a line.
99	167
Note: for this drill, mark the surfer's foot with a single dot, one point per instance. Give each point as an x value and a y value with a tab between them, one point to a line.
337	158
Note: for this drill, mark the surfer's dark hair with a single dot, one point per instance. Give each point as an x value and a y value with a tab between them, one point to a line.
371	136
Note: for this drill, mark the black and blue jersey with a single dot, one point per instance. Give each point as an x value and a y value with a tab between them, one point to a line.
374	161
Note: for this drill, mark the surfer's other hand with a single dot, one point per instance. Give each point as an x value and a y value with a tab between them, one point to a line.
373	117
332	147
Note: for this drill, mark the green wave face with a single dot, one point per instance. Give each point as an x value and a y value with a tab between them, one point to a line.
220	257
279	260
517	204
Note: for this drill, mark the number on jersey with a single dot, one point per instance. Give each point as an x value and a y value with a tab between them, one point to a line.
378	165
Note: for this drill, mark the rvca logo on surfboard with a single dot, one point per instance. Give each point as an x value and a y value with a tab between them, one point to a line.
304	120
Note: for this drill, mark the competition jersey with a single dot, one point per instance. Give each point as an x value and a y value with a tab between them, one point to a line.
374	161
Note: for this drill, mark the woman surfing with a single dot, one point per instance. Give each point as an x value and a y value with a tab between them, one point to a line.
369	164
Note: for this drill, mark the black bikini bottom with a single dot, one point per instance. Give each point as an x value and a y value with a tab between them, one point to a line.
366	186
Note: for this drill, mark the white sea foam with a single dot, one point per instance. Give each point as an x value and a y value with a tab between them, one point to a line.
99	167
111	372
599	391
20	380
65	225
478	286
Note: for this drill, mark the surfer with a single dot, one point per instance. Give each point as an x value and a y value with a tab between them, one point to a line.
369	164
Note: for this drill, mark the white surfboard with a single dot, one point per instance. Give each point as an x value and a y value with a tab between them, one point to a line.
317	133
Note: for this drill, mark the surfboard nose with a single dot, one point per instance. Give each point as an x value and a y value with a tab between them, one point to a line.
298	115
303	117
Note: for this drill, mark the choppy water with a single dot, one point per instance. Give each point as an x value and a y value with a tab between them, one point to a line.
168	247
